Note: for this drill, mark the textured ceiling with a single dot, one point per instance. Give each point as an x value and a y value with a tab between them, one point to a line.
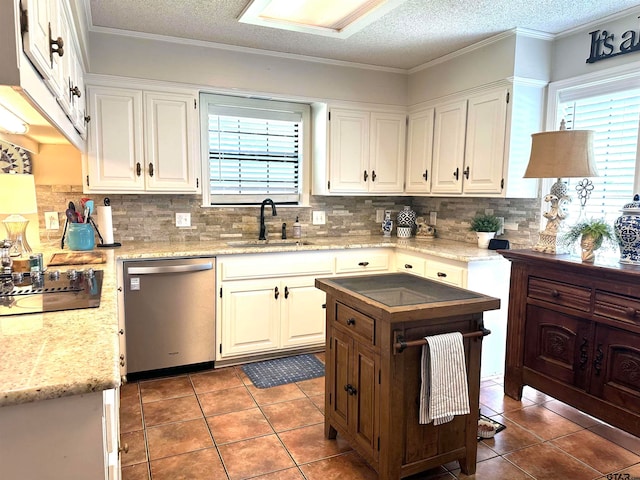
414	33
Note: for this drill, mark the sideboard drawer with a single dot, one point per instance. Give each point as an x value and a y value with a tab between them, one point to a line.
356	322
617	307
560	293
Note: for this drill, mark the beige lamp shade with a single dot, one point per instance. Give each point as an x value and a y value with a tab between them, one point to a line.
562	154
17	194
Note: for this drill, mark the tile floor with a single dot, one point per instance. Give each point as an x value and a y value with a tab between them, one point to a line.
216	425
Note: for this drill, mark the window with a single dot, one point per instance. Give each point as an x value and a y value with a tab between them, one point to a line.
253	149
612	109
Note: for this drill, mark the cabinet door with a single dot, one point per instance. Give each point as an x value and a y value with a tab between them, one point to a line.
250	317
111	409
78	97
448	147
36	38
170	160
114	158
349	151
616	367
301	312
364	379
339	358
558	345
419	152
485	142
387	150
58	80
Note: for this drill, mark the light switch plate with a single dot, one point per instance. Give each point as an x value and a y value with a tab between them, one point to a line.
379	216
319	218
51	220
433	218
183	219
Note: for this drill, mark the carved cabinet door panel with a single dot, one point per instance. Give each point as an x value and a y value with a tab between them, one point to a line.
558	345
616	367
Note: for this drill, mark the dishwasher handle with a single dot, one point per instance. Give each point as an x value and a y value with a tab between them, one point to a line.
197	267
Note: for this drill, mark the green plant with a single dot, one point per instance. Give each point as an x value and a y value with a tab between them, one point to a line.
597	228
484	222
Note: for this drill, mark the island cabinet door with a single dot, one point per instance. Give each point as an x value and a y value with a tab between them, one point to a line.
616	367
558	345
340	353
364	397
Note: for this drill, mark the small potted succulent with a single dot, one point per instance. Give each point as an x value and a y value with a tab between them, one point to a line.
591	233
485	225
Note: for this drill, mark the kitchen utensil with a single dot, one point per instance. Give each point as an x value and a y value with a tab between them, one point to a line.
72	216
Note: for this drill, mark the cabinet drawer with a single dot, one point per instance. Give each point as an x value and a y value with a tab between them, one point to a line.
356	322
444	272
618	307
250	266
560	293
356	262
410	264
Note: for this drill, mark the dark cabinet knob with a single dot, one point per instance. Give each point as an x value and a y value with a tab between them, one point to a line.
138	169
363	264
630	312
276	293
408	266
286	292
555	293
441	274
456	174
150	169
351	321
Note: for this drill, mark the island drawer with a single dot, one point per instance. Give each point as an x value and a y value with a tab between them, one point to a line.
356	322
617	307
560	293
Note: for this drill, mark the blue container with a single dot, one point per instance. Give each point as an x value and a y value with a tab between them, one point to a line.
80	236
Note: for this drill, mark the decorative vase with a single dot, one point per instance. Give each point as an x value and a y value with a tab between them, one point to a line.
589	244
406	218
484	237
627	230
387	225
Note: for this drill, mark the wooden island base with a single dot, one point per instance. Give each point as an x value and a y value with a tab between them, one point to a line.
373	387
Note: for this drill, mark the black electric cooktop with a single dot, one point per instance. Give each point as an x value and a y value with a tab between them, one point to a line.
52	292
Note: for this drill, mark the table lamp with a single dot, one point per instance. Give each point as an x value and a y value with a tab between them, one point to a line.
559	154
17	198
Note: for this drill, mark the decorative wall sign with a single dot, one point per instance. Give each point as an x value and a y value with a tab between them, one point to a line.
605	44
14	159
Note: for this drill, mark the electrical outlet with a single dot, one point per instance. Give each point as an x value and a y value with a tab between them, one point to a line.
501	229
433	218
51	220
318	218
379	216
183	219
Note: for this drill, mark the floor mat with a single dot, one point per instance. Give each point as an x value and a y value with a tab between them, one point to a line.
272	373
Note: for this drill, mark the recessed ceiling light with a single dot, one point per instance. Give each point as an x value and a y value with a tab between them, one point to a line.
334	18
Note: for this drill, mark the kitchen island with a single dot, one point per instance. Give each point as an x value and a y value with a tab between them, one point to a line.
375	328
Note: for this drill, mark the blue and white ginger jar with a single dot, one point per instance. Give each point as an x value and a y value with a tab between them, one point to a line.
627	230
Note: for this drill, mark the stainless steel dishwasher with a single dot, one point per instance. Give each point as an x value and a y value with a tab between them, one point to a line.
169	308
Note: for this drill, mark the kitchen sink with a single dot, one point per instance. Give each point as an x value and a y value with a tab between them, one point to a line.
268	243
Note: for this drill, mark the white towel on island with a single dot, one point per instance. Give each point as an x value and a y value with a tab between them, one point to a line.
444	391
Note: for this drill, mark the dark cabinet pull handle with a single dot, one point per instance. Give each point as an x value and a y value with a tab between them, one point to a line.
466	172
276	293
456	174
286	292
351	321
408	265
363	264
584	348
138	169
555	293
425	175
350	389
366	175
441	274
55	46
150	169
597	363
75	91
373	175
324	305
87	118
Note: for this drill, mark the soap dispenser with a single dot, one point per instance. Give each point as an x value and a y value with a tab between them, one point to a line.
297	229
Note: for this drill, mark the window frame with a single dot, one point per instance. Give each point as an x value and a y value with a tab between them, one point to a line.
604	81
241	200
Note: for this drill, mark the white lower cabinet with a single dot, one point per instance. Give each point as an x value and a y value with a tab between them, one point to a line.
67	438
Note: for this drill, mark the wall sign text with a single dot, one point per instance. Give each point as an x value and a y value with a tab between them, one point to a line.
605	44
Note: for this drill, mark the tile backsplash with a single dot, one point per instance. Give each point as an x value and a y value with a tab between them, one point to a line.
152	217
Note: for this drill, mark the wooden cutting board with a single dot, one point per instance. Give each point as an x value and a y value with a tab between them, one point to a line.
77	258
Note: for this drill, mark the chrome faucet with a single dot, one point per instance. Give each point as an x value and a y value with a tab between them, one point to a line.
263	228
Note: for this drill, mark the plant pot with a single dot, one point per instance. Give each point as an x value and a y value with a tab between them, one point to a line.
484	237
589	244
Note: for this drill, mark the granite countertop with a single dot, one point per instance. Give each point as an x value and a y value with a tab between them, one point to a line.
72	352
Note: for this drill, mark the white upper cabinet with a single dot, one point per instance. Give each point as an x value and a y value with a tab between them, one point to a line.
142	141
37	39
366	151
448	147
419	151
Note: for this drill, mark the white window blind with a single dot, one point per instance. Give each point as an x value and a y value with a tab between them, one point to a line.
615	118
254	150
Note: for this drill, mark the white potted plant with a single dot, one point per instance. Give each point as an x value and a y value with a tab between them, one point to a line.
485	226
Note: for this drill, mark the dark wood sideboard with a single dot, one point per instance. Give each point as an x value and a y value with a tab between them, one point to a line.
574	333
373	383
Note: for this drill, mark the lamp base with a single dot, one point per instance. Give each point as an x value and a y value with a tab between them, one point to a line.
16	226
